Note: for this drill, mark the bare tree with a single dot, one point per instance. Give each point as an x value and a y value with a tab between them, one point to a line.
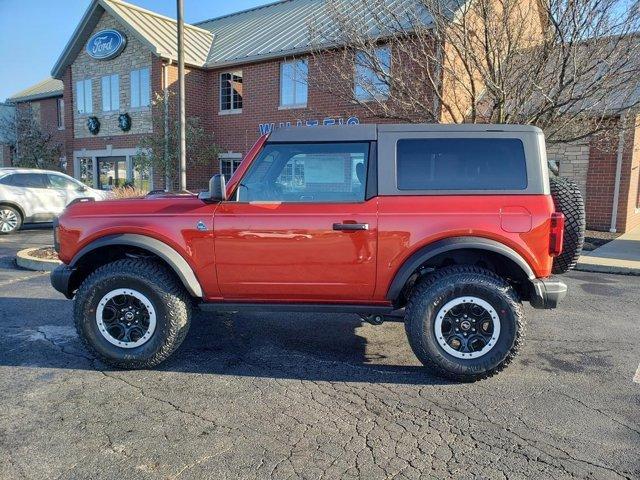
159	150
33	147
566	66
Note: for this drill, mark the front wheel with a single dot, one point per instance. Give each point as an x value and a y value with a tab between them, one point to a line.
464	322
132	313
10	220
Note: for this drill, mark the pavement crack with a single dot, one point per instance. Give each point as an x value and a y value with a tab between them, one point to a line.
164	401
601	412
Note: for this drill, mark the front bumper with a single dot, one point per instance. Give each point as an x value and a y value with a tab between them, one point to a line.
547	292
61	280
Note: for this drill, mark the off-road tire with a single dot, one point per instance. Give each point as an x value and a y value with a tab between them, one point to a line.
434	291
568	200
18	217
172	305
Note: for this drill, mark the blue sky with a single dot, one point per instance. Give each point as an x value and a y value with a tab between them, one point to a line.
34	32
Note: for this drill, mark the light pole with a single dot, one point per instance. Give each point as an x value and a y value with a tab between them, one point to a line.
182	145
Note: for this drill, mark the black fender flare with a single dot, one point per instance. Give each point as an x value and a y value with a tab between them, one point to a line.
176	261
427	252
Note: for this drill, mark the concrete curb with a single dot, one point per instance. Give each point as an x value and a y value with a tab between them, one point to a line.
25	260
608	265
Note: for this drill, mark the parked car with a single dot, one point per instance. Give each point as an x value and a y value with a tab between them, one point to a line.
446	227
29	195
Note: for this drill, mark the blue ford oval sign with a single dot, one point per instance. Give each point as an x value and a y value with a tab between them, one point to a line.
106	44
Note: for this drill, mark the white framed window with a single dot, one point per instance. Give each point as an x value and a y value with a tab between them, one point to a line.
369	81
60	113
293	83
231	91
110	93
140	88
84	96
229	163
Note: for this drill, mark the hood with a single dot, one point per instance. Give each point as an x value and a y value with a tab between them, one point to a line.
150	205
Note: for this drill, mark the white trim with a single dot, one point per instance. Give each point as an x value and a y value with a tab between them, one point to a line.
230	155
291	107
230	112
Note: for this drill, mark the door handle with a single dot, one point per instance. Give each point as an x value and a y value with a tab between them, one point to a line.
350	227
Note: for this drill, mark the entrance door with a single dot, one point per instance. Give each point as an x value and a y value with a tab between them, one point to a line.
112	172
300	227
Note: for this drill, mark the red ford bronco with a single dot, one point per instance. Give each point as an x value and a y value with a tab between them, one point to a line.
448	227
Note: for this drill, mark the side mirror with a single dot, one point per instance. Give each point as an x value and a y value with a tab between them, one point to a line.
217	190
82	188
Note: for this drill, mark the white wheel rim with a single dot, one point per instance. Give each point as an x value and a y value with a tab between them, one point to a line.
8	220
445	317
135	319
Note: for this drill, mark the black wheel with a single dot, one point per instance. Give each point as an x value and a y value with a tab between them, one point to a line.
464	322
132	313
568	200
10	220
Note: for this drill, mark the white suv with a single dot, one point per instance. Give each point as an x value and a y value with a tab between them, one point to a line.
32	196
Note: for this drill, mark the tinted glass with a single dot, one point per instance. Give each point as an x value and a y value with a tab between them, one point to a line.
25	180
63	183
319	172
461	164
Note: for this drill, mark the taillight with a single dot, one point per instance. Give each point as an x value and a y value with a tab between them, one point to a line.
556	234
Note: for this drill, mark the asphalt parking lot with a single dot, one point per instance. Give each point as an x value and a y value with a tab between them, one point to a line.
297	396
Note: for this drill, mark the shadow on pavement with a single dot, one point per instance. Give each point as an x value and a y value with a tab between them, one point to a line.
39	333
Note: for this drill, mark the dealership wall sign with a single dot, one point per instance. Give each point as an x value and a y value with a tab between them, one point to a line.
106	44
269	127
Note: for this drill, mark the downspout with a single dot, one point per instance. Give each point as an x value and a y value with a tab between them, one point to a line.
616	189
165	81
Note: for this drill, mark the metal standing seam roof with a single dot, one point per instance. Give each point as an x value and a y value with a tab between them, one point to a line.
269	31
161	32
49	87
158	32
282	28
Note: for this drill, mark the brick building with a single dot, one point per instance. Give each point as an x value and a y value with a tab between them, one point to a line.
7	114
245	75
46	102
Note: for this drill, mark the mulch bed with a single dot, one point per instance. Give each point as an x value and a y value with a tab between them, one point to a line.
594	239
45	253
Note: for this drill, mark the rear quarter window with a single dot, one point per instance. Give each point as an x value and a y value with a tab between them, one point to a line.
461	164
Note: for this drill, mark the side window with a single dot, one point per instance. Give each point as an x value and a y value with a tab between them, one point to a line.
293	83
26	180
62	183
461	164
231	91
310	172
7	180
371	80
110	93
140	88
228	166
84	96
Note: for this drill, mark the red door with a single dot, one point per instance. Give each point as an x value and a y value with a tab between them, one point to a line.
300	229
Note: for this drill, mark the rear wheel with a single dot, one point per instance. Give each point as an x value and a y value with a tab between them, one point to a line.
464	322
132	313
10	220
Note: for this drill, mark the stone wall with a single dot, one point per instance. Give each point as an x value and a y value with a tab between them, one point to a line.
573	160
135	56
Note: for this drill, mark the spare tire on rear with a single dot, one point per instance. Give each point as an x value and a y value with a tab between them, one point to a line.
568	200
